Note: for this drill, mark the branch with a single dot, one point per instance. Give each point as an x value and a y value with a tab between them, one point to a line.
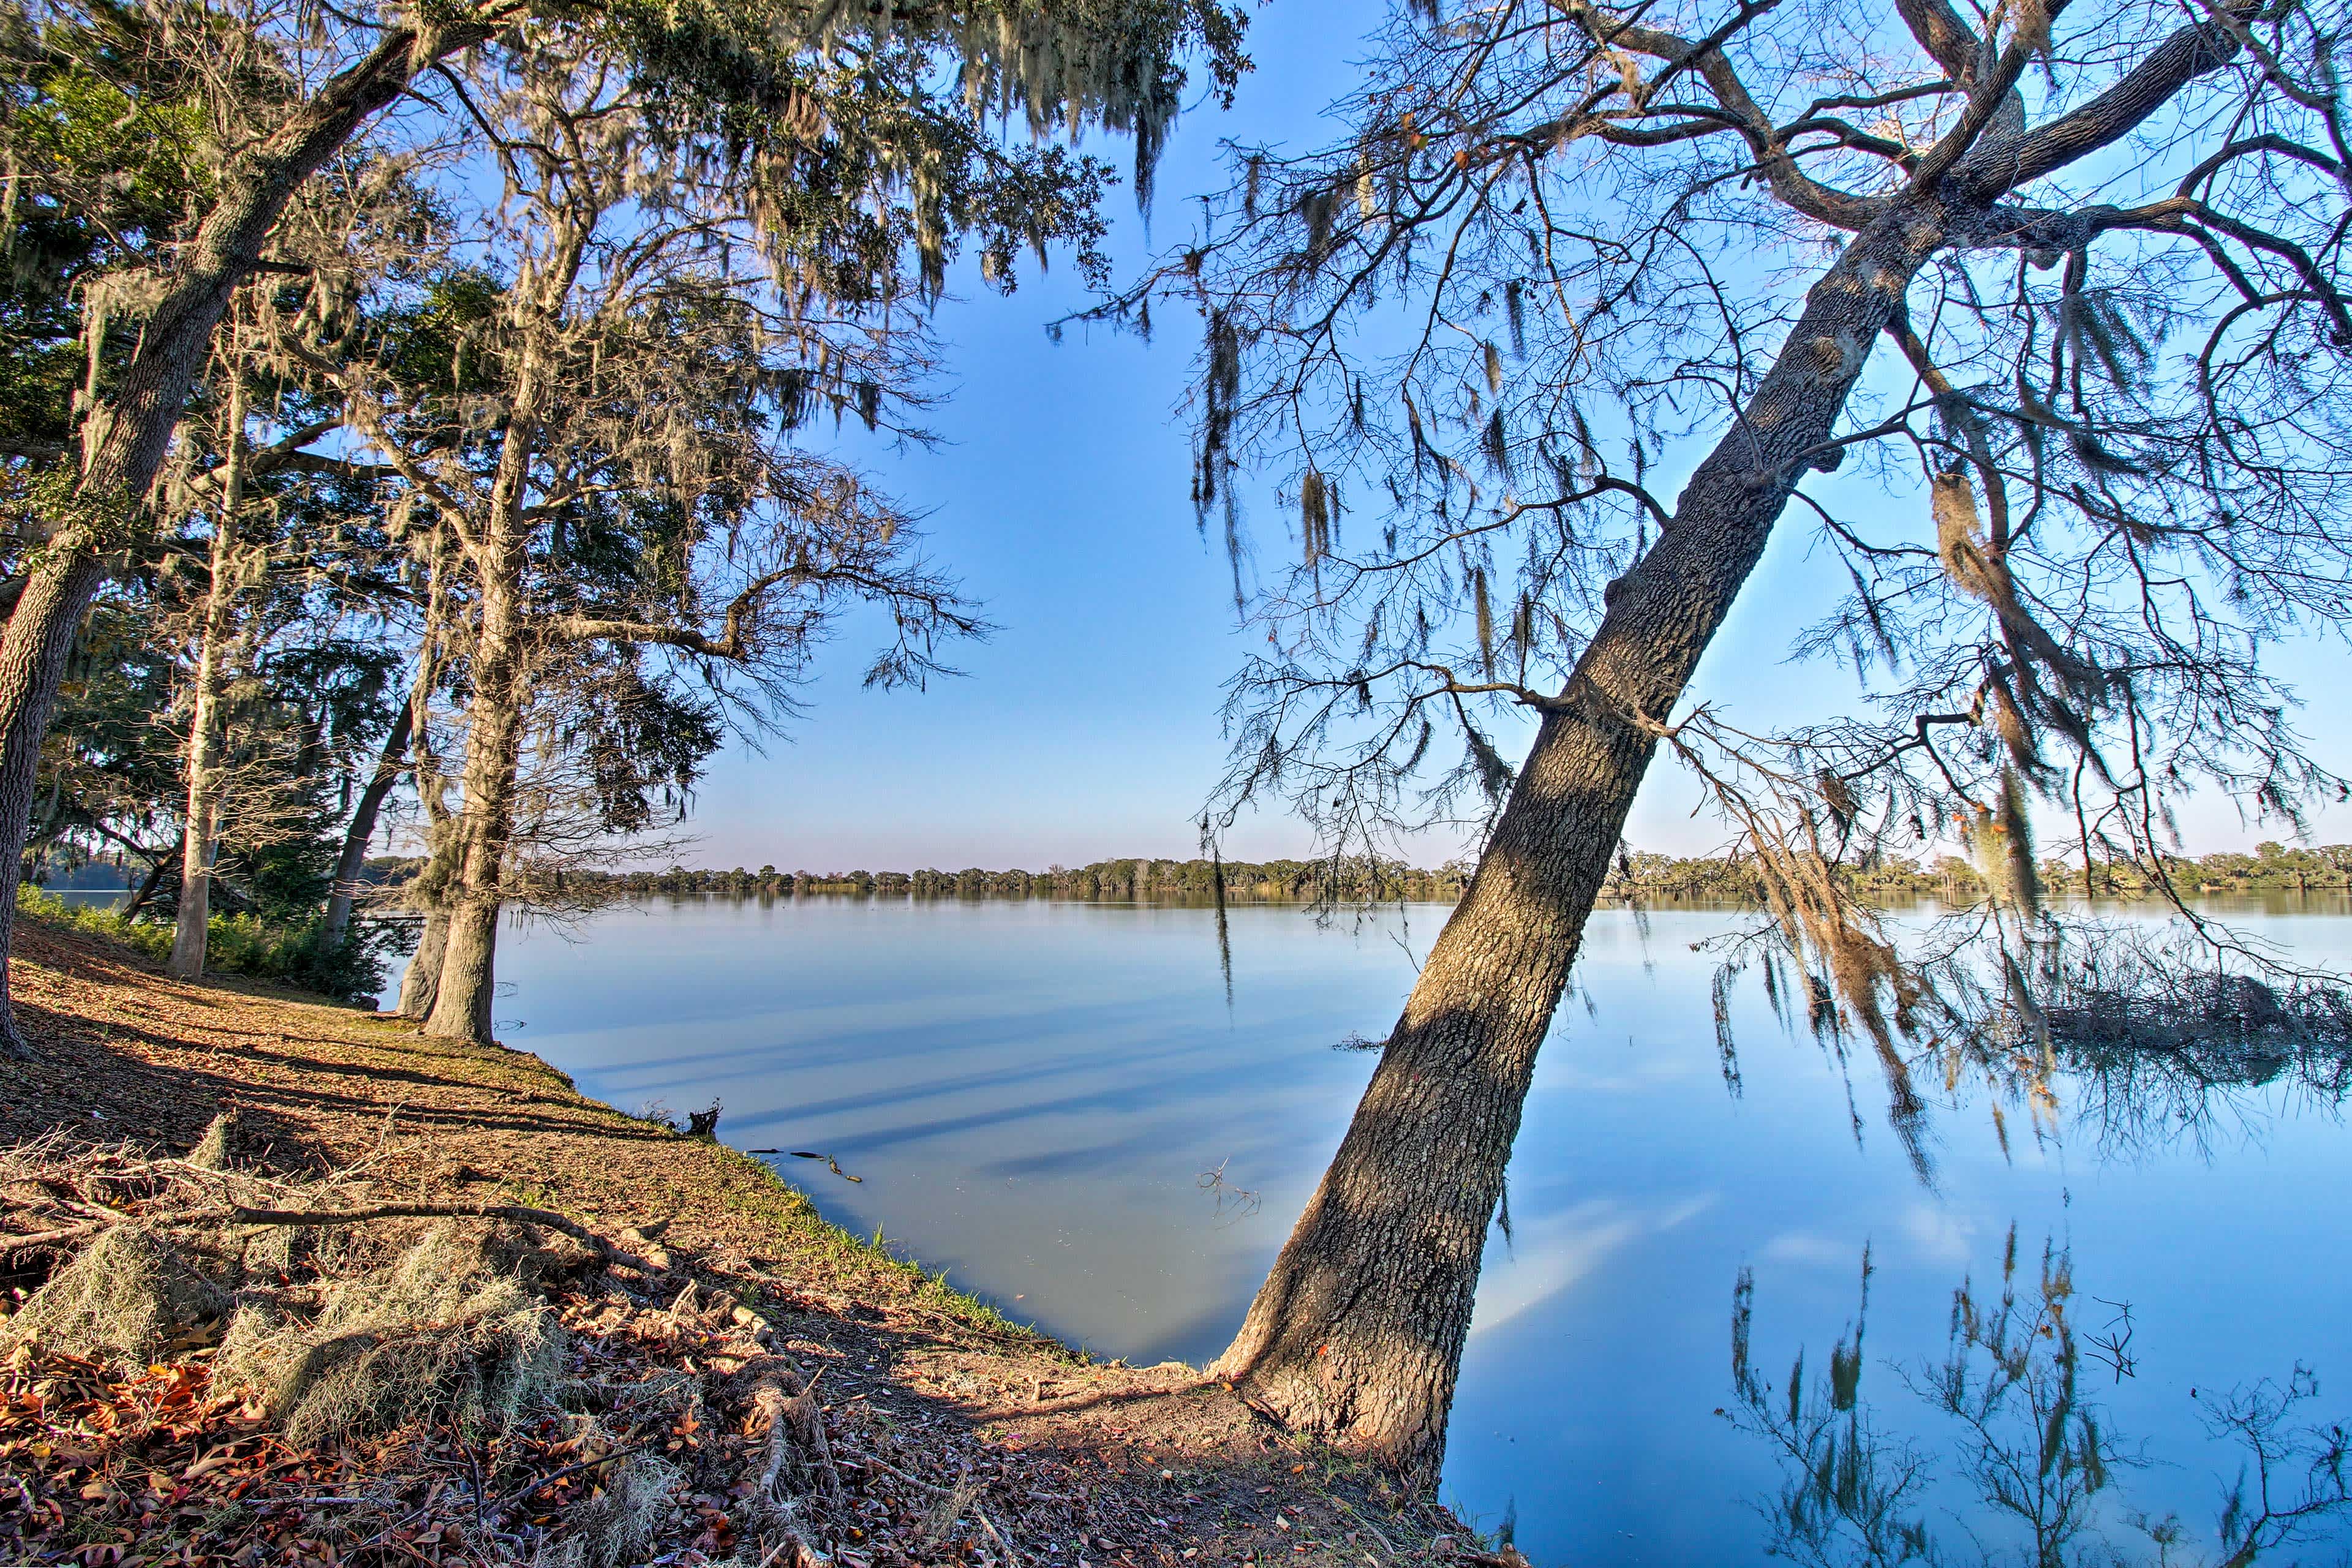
277	455
2194	51
1947	38
1825	203
729	645
2265	142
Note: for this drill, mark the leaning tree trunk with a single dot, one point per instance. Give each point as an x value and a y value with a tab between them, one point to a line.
1357	1333
421	986
32	665
125	441
155	874
352	862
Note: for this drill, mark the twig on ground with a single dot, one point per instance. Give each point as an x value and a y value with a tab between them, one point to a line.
893	1469
521	1493
1011	1558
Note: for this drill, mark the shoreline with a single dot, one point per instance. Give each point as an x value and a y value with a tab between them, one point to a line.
130	1056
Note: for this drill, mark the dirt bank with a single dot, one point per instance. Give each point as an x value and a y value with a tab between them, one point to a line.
709	1294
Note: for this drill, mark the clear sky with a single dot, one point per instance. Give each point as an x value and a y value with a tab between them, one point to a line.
1088	726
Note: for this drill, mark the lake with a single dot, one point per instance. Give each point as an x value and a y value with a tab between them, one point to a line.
1064	1106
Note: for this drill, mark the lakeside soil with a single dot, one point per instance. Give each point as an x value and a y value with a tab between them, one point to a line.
1075	1462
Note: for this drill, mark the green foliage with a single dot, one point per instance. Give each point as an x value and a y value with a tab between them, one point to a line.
105	147
299	953
294	953
852	147
151	939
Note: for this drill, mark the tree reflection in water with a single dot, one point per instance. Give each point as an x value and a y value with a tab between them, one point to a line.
2017	1423
2139	1037
2158	1048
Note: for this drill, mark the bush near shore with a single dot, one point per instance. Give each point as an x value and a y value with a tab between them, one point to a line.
294	953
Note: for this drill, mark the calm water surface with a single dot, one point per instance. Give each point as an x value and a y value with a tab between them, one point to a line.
1036	1096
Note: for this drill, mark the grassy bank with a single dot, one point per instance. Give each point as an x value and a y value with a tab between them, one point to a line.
708	1285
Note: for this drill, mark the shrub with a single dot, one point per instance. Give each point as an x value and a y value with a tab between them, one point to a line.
295	951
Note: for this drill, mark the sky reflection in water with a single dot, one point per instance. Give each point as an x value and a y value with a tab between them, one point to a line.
1032	1095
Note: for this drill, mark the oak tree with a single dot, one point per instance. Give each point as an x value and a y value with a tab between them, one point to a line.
1588	301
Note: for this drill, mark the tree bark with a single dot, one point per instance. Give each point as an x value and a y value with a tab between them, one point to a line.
352	862
494	720
154	877
124	443
461	1002
32	664
1357	1333
485	823
200	844
422	983
461	1006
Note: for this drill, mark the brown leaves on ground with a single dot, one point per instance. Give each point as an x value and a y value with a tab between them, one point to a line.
916	1430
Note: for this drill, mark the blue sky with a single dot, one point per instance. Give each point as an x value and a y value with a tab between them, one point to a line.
1088	726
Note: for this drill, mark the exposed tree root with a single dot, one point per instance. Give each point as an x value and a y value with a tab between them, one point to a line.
799	1460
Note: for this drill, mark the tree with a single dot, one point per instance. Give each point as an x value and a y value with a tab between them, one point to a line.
2073	271
280	89
616	462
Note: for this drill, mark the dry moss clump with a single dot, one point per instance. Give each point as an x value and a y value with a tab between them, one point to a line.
444	1334
132	1292
618	1523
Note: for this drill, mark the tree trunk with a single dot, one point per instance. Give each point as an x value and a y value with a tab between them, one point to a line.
485	824
154	878
494	719
422	983
1357	1333
352	862
200	845
124	443
461	1003
32	664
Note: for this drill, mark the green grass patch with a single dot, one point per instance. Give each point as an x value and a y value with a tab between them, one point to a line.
764	1195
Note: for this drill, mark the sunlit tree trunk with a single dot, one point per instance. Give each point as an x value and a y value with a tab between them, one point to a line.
1357	1333
461	1007
201	843
208	724
422	983
494	718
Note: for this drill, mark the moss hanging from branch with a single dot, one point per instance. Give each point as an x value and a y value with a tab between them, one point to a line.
1315	515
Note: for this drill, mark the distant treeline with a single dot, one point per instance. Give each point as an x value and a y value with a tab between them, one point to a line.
1270	881
1954	879
1639	874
